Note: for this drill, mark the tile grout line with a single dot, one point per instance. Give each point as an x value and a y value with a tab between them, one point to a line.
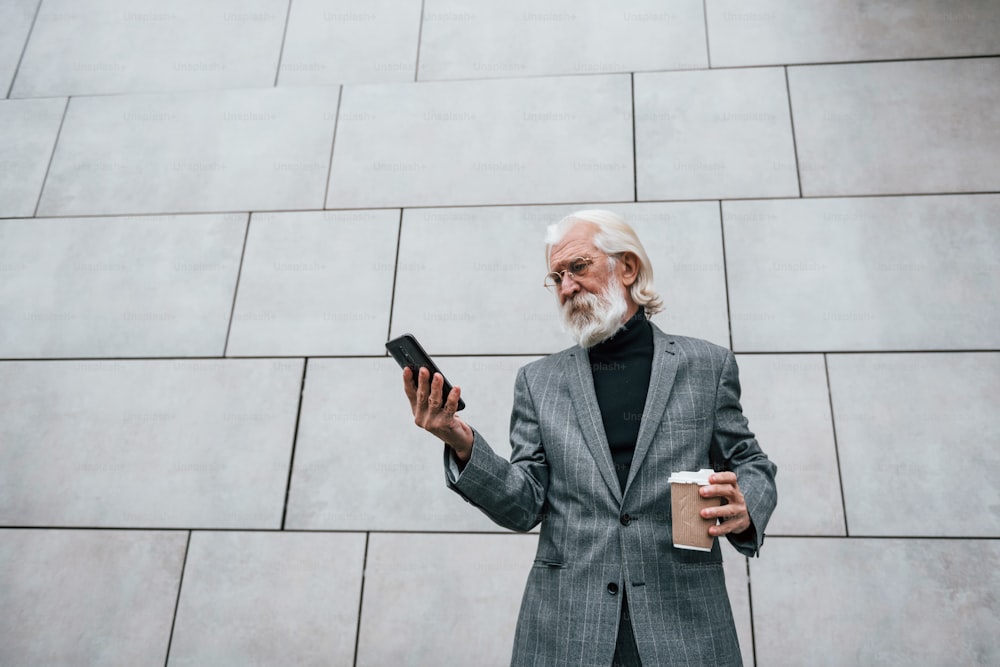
333	142
725	275
52	156
284	35
836	446
361	600
635	155
395	275
835	63
507	533
24	49
566	75
791	120
858	538
708	45
177	602
862	195
236	288
488	355
420	36
295	438
608	72
753	632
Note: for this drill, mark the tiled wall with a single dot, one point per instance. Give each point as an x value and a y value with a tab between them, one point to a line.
215	213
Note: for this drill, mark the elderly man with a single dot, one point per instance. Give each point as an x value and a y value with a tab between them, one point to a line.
596	430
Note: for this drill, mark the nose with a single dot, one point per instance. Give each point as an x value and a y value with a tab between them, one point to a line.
568	286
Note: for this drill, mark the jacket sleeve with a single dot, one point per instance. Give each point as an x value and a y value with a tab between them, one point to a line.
735	448
511	493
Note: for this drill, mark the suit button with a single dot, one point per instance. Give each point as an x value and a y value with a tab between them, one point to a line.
625	519
613	588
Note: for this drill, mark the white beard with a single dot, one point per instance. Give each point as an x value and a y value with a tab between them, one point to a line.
592	318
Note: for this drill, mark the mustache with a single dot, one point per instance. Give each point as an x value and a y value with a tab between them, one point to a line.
582	302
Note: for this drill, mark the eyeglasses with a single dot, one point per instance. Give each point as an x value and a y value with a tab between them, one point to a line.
577	268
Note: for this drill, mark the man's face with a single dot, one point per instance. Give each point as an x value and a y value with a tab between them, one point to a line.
579	242
593	306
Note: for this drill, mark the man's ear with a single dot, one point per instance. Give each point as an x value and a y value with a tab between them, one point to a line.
629	267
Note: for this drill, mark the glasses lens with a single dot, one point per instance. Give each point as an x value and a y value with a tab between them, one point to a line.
577	268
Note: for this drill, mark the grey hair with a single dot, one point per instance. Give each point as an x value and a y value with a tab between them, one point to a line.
613	237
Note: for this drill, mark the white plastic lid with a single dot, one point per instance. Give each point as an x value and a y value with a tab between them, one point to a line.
689	477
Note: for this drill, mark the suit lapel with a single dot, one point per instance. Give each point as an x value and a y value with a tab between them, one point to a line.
588	414
661	382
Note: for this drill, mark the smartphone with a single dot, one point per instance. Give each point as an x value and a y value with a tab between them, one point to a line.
407	352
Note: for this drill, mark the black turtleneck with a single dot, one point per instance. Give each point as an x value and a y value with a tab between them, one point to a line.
621	367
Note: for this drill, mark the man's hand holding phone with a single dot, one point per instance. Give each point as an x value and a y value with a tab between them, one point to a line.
435	413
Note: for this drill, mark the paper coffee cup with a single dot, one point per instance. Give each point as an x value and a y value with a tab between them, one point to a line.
690	528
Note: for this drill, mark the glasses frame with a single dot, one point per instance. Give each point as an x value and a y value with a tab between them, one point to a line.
553	279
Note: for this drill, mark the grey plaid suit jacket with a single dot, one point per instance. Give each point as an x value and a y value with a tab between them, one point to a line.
561	474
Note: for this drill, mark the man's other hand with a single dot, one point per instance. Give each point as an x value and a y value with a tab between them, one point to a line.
733	512
437	415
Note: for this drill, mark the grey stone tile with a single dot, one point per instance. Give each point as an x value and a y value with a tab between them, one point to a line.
493	260
474	40
118	287
347	42
73	597
28	130
361	463
713	135
15	24
235	150
305	289
785	398
738	587
834	602
874	273
910	436
442	599
114	46
505	141
269	598
895	128
684	244
159	444
774	32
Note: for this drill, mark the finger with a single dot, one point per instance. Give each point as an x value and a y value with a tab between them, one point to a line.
724	512
434	399
451	405
722	478
728	527
411	391
727	491
423	386
734	525
732	512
